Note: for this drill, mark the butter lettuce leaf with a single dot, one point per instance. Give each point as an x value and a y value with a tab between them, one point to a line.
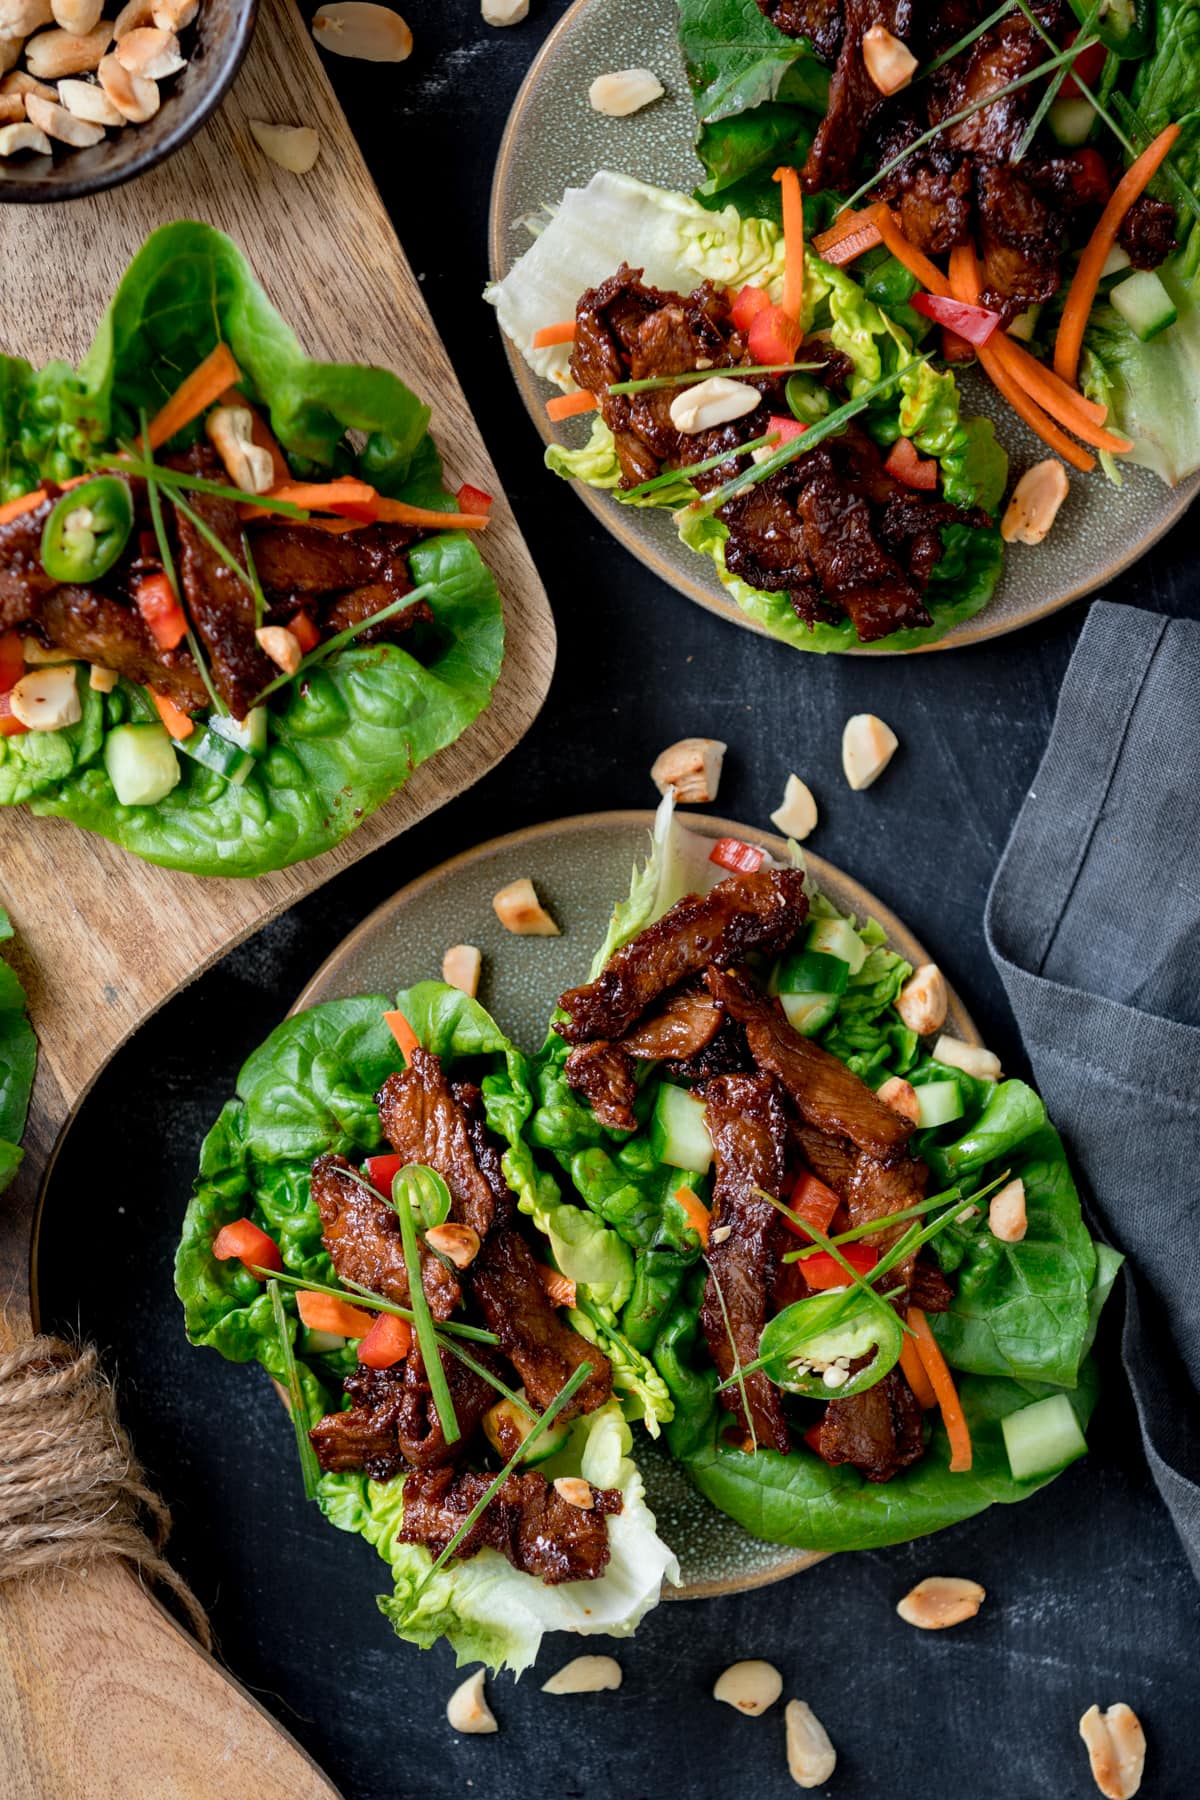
18	1061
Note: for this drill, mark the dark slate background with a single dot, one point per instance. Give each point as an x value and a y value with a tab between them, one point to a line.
1089	1598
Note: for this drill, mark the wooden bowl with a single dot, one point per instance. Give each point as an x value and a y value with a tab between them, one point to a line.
215	46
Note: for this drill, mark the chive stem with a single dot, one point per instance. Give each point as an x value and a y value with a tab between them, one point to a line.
136	462
342	638
309	1466
152	474
405	1181
701	468
375	1303
735	371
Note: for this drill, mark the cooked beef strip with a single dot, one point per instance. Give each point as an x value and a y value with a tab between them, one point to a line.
362	1438
1020	243
853	96
1010	49
683	1026
748	1127
728	1054
545	1352
357	604
879	1187
1147	232
528	1521
879	1430
88	624
853	568
762	911
820	21
831	1159
487	1152
296	562
823	1090
361	1232
24	583
219	603
424	1124
605	1076
393	1422
929	1288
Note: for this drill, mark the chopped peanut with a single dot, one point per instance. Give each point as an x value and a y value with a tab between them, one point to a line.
461	968
519	910
868	746
923	1002
1007	1218
692	767
797	817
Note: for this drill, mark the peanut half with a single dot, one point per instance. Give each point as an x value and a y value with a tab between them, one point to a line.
751	1687
810	1755
940	1601
1116	1746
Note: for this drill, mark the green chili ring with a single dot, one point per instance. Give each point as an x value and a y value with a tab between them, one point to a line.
87	530
828	1331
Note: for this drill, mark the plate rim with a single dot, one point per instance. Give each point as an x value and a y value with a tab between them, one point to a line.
603	508
629	818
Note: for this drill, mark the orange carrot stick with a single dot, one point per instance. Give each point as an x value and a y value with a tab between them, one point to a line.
1071	327
942	1383
347	497
403	1033
173	717
554	334
793	242
698	1215
851	235
399	512
14	509
565	406
201	389
321	1312
560	1287
914	1373
914	260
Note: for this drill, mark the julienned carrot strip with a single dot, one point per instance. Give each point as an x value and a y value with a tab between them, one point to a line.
942	1383
346	497
852	235
403	1033
914	260
549	335
172	716
1071	327
14	509
560	1288
793	242
565	406
914	1373
260	434
322	1312
202	389
399	512
698	1215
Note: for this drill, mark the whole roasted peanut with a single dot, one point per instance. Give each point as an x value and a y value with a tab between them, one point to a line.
707	404
293	147
79	16
811	1757
923	1001
282	646
58	123
889	61
459	1244
624	91
1007	1217
88	101
53	54
360	29
901	1096
230	431
519	910
504	12
1034	504
575	1491
750	1686
135	98
23	136
150	53
797	817
20	18
868	746
940	1601
20	82
1116	1746
972	1059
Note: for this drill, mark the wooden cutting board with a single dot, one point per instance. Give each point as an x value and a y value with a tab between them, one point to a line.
100	1694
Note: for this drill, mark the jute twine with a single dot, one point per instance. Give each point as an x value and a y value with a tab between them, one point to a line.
71	1489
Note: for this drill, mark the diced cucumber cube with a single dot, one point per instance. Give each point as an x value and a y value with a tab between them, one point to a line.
1144	303
141	764
809	1013
218	753
249	733
1042	1438
1116	260
837	937
1025	324
811	972
505	1426
319	1343
679	1130
938	1102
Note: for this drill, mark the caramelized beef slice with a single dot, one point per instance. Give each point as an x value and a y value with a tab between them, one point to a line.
854	570
527	1521
295	562
879	1430
879	1187
820	21
1147	232
853	96
1020	241
88	624
604	1075
361	1439
832	1160
766	546
748	1126
1002	55
545	1352
218	602
487	1152
728	1054
24	583
352	607
424	1124
361	1232
685	1024
405	1389
935	199
825	1093
762	911
928	1287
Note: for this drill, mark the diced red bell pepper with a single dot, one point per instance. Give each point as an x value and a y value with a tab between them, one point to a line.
822	1271
388	1341
304	631
472	499
324	1312
251	1246
774	336
10	725
381	1171
785	429
814	1202
748	302
974	323
12	660
164	617
742	859
908	466
1088	67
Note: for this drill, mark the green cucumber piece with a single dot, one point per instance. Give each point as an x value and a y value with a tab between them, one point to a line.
319	1343
141	764
218	753
1116	260
939	1102
505	1425
679	1130
837	937
1042	1438
809	1013
1071	121
811	972
248	734
1025	324
1144	303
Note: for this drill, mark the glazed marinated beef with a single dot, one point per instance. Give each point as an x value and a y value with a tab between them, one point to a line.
527	1521
820	21
685	1024
853	96
361	1232
748	1127
833	529
392	1422
604	1074
218	602
878	1431
545	1352
424	1123
762	911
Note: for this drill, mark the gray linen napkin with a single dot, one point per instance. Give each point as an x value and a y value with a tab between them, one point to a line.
1093	921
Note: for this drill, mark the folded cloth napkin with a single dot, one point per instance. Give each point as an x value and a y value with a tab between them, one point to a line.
1094	924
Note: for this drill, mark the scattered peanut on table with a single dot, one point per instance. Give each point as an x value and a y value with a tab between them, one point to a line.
797	817
519	910
585	1675
1116	1746
692	767
868	746
940	1601
360	29
810	1755
467	1709
750	1686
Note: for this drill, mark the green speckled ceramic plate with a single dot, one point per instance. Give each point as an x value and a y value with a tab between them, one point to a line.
580	867
554	141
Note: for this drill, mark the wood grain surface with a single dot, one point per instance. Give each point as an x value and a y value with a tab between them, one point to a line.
100	1693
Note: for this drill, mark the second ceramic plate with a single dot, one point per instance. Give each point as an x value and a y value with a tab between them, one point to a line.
580	868
554	140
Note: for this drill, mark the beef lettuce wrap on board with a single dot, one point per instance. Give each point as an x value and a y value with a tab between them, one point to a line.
371	1228
237	605
860	1266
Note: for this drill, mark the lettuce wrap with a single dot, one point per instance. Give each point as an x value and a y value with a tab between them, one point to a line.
18	1059
310	1089
1023	1317
340	740
679	244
